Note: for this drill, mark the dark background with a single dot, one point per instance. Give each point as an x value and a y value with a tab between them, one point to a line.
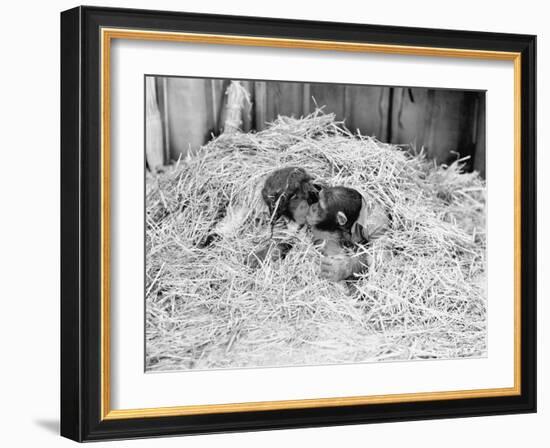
189	111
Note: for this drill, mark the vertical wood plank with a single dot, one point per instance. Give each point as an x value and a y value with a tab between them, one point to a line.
247	112
306	99
331	96
188	119
480	137
283	98
153	127
164	115
260	108
209	106
367	110
215	109
467	127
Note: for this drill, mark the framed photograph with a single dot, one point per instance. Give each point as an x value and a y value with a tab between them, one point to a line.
277	224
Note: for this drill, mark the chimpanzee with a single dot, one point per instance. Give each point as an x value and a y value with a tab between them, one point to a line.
288	193
343	215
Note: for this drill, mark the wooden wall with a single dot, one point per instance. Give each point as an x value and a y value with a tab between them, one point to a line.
441	121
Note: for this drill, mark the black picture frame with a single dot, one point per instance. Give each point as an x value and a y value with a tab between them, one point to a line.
81	224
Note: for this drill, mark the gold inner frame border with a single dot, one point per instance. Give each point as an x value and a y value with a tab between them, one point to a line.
107	35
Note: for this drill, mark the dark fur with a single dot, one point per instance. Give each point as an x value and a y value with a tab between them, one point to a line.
340	199
285	183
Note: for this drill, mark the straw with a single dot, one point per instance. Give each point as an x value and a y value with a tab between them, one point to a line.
205	309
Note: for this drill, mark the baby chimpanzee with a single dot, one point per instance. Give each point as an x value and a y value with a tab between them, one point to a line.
343	215
288	193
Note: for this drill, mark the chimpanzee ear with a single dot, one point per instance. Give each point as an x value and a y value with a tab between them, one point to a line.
341	218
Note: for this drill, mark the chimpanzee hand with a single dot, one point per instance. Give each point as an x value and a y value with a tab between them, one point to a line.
274	251
336	268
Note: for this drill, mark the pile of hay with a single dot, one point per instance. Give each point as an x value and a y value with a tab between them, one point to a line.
206	309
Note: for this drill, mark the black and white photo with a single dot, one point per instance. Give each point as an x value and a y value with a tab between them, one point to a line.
292	223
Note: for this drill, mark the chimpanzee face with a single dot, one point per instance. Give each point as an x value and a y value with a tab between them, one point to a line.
335	205
298	209
317	212
289	192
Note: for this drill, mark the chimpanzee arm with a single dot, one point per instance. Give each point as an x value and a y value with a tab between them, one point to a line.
277	246
331	242
368	258
272	249
342	267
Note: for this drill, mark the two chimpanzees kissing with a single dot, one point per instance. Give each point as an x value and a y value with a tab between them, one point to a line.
336	215
288	194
